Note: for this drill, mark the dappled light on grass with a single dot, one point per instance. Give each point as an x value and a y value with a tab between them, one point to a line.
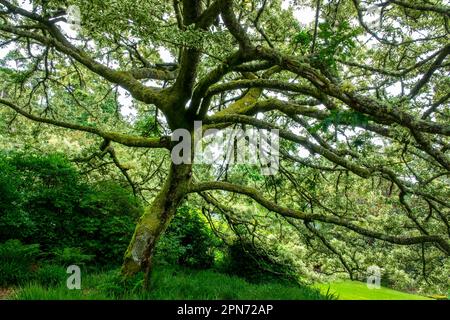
355	290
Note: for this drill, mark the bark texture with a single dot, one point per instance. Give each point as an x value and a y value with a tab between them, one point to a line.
155	220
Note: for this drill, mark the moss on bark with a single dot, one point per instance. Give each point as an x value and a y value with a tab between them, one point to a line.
155	220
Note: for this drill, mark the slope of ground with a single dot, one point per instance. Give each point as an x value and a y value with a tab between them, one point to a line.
355	290
168	284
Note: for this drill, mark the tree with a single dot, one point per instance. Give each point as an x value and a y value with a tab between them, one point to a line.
327	88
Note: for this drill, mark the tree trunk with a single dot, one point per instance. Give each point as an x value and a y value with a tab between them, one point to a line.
154	222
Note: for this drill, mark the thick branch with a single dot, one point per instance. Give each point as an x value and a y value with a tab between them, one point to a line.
127	140
297	214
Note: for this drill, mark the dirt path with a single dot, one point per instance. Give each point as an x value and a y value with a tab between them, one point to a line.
5	293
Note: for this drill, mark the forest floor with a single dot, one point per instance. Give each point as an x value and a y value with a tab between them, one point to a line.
6	293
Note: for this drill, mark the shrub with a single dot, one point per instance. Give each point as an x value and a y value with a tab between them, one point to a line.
109	214
14	221
50	275
46	201
255	264
69	256
17	261
188	241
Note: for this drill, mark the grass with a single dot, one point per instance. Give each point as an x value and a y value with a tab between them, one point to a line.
355	290
168	284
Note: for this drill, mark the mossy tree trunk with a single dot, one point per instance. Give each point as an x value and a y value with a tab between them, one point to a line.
154	222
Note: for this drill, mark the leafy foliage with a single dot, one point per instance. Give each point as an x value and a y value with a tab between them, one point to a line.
256	264
336	41
188	241
17	261
50	275
337	117
377	72
47	202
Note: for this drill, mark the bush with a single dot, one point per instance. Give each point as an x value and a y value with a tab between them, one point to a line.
188	241
14	221
50	275
46	201
69	256
17	262
107	221
255	265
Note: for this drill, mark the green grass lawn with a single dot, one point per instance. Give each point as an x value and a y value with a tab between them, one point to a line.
355	290
168	284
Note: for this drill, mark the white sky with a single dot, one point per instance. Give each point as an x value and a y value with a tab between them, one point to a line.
305	15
